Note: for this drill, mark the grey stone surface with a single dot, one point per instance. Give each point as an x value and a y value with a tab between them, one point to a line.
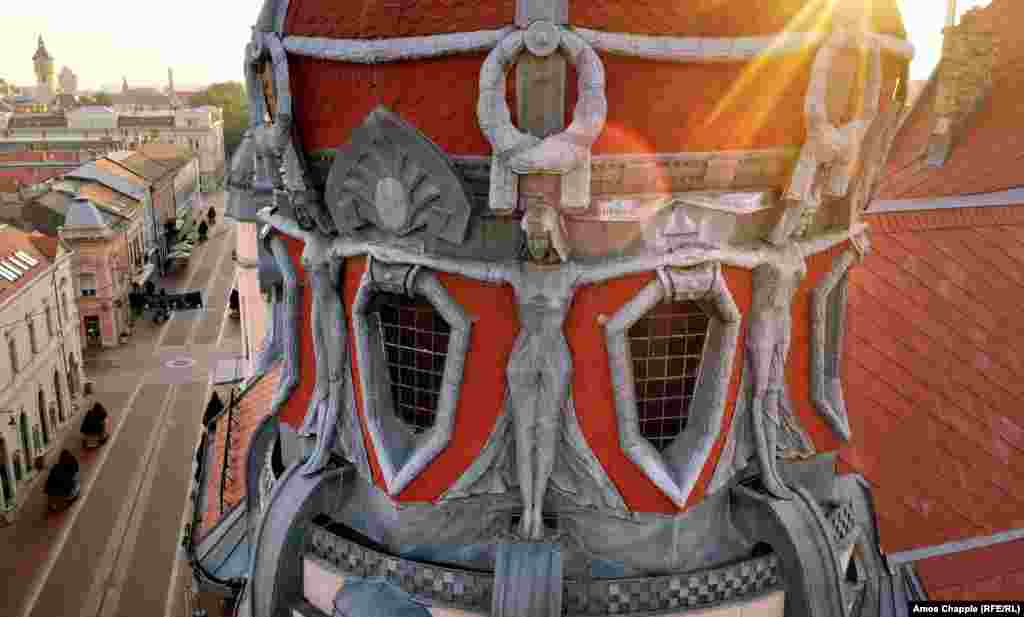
527	580
675	471
394	178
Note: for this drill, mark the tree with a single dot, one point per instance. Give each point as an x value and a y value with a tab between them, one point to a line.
100	98
230	96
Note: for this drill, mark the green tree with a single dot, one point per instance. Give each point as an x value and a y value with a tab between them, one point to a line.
102	98
231	98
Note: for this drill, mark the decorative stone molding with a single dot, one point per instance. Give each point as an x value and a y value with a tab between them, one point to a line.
831	155
656	48
363	51
676	470
402	458
566	153
722	49
828	325
393	177
286	317
473	591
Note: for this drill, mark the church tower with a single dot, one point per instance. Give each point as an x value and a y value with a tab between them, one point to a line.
46	87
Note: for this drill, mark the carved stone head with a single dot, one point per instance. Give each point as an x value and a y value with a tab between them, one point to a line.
542	223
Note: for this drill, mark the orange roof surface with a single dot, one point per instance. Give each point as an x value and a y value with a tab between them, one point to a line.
934	380
251	409
989	155
47	245
991	573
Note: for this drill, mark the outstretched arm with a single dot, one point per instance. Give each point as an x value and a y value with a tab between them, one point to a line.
284	225
683	257
826	241
482	271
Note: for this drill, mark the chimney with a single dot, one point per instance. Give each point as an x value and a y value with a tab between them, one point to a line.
964	79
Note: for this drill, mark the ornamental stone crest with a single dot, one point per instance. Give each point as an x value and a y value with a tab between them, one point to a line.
393	177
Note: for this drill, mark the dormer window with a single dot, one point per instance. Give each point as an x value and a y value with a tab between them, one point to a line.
666	346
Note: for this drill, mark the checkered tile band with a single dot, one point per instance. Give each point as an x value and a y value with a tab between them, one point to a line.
844	521
471	591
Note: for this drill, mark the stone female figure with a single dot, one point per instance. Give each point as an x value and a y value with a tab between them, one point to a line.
540	365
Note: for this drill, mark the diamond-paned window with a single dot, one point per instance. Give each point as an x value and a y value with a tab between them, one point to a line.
666	347
414	337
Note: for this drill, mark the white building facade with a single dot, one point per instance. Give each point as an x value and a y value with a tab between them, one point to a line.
40	362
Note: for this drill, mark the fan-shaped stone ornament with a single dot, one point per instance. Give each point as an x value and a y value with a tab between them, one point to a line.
393	177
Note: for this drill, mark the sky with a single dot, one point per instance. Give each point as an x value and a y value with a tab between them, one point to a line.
203	40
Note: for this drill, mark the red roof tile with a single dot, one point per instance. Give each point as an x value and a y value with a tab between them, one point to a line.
11	240
47	245
988	155
252	407
934	378
990	573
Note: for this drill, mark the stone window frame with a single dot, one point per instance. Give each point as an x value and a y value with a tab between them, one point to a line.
828	332
402	456
675	470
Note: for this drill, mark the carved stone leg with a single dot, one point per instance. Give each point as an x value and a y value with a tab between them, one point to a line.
523	382
312	419
551	404
331	339
288	323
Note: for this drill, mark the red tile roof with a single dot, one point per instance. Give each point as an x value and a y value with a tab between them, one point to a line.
252	407
47	245
11	240
990	573
934	380
989	154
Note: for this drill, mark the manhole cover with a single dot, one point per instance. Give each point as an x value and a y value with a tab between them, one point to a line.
180	363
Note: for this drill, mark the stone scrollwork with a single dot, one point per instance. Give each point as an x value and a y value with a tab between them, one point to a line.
566	153
394	178
676	470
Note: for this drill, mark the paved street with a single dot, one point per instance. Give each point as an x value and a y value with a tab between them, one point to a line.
116	551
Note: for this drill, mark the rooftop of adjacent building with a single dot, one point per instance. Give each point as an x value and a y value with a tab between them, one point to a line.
985	146
933	369
23	256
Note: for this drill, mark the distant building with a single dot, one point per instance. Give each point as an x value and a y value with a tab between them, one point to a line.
68	81
98	131
106	236
41	359
46	83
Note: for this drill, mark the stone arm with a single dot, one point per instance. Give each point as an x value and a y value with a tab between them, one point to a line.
683	257
479	270
825	241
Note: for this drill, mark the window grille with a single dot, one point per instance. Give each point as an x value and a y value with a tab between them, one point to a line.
414	338
88	285
666	346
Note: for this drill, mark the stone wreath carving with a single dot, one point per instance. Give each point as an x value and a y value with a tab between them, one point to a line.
566	153
829	157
